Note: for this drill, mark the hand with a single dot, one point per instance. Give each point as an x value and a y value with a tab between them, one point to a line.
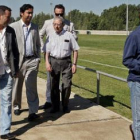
74	68
48	67
16	75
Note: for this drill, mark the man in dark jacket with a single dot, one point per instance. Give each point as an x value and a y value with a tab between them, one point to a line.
9	59
131	59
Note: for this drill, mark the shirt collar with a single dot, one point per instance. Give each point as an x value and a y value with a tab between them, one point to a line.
61	33
24	25
3	31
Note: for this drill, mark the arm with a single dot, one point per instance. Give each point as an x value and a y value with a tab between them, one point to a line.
72	30
131	56
38	44
75	57
48	65
42	33
15	55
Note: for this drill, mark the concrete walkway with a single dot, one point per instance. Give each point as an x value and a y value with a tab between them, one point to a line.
86	121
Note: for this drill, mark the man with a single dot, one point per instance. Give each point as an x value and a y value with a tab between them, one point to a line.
59	47
131	59
47	29
9	57
29	48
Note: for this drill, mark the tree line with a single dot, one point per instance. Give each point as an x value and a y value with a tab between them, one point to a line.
110	19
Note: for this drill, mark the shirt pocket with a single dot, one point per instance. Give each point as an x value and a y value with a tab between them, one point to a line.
66	45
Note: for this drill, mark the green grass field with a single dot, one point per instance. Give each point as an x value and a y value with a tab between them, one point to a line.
103	53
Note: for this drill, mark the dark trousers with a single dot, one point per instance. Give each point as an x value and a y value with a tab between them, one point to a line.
60	67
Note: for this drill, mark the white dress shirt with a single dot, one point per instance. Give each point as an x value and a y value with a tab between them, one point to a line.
28	39
61	45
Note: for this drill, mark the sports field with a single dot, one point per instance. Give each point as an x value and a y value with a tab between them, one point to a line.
103	53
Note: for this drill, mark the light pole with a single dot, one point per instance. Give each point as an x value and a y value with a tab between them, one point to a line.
51	10
127	18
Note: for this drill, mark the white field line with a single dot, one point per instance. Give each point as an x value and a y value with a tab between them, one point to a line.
103	64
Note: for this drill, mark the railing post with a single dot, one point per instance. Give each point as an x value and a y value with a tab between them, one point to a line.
98	88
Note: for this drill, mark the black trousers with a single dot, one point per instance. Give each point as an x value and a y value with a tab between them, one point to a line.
64	68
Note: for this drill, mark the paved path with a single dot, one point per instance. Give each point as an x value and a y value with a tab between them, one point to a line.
86	121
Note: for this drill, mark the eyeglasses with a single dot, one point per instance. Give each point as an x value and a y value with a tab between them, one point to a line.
55	24
62	14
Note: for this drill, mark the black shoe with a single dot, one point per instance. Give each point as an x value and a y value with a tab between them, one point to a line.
66	109
33	117
54	110
8	136
46	106
17	112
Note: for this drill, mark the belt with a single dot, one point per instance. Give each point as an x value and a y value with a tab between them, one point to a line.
29	57
59	58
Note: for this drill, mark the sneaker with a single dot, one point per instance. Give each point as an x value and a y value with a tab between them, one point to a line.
17	112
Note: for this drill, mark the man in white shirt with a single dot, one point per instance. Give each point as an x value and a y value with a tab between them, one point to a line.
47	29
9	58
60	45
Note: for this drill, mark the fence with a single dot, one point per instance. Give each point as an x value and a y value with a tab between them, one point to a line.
102	32
98	79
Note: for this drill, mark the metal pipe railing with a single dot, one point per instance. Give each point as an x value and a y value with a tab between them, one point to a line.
98	78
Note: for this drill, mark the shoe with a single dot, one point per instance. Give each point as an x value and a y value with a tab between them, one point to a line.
130	127
53	110
66	109
46	106
17	112
33	117
8	136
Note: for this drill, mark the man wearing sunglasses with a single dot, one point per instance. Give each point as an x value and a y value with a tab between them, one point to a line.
47	29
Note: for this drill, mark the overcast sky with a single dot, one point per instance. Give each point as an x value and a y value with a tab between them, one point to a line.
96	6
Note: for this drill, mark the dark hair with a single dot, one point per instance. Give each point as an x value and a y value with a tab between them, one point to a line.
59	6
3	8
25	7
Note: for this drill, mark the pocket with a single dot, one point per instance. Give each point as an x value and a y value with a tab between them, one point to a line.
66	46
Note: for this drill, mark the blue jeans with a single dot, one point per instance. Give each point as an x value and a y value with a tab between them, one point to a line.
135	106
6	83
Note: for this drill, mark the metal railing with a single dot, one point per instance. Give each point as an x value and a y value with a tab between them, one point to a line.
98	78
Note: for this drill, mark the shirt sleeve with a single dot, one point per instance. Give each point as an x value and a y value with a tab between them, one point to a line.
47	46
131	57
72	30
42	33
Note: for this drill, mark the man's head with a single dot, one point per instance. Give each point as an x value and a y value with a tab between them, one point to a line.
58	24
59	10
5	15
26	13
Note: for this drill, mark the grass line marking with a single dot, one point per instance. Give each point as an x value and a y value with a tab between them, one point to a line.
103	64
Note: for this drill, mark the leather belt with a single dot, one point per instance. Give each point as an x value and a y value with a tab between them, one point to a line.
29	57
59	58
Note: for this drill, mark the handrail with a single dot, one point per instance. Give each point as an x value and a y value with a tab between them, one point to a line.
98	78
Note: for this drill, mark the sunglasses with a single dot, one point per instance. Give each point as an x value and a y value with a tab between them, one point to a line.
59	14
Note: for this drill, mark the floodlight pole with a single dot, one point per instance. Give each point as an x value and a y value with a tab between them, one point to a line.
51	9
127	18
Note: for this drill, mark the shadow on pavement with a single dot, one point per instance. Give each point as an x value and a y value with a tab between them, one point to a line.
75	103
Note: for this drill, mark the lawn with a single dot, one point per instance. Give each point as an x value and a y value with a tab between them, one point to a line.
103	53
